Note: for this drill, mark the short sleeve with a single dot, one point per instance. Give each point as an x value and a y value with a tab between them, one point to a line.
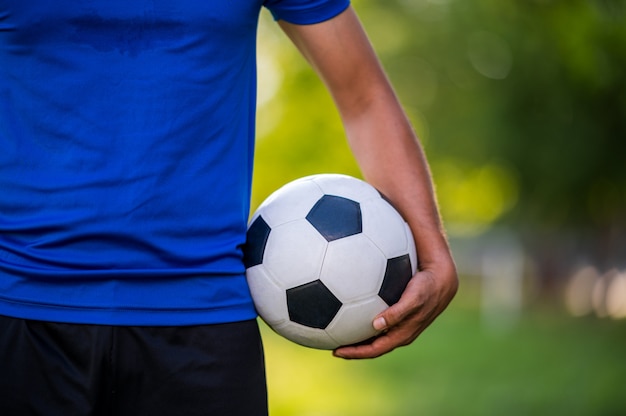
305	11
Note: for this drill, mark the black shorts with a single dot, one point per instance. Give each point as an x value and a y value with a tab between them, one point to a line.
53	369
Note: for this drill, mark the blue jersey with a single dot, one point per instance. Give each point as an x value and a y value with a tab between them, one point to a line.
126	149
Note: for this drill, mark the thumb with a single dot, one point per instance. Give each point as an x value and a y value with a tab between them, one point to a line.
380	323
390	317
411	301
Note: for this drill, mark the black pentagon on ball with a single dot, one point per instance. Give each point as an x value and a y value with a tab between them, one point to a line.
312	304
256	240
397	276
335	217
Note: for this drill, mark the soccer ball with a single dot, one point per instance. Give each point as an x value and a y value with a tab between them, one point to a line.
324	255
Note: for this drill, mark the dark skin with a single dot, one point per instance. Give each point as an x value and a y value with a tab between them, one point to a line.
391	158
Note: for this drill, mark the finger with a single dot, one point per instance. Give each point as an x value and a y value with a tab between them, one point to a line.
397	337
410	303
376	348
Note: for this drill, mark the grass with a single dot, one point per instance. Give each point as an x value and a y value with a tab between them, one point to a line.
547	363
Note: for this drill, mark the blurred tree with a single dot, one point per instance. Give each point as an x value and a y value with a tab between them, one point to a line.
537	86
567	110
521	106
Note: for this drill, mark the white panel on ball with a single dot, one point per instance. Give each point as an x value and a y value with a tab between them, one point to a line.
310	337
295	253
291	202
346	186
385	227
353	323
269	298
353	268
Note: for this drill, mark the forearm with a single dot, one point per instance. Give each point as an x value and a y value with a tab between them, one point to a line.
391	158
380	135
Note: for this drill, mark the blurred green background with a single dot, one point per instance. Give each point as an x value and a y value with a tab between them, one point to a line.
521	108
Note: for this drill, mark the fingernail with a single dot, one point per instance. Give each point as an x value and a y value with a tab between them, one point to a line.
380	323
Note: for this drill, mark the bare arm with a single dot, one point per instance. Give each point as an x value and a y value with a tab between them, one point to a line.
391	158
